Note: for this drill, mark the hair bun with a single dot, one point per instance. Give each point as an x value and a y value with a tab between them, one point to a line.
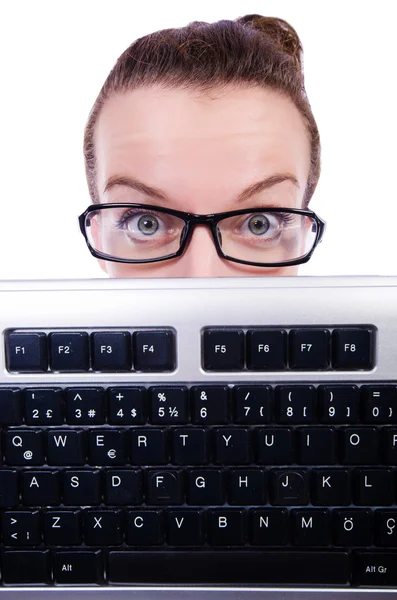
280	32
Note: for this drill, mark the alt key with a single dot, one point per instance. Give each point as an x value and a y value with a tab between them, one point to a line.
77	567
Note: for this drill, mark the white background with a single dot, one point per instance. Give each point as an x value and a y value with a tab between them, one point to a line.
55	56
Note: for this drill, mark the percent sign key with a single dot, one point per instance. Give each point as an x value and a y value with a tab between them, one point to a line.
169	405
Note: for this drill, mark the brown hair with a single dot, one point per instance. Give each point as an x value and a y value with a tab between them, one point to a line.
251	51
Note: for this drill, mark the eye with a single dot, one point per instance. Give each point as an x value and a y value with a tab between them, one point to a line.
259	224
140	222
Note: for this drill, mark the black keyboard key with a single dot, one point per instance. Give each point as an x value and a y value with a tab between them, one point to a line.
269	527
316	446
62	528
8	488
352	348
309	349
164	487
229	567
24	447
66	447
148	447
106	447
352	527
145	528
26	352
43	406
311	527
252	404
225	527
289	487
85	406
189	446
379	404
81	488
102	528
373	487
267	349
232	446
389	445
185	527
41	488
374	569
78	567
169	405
127	406
246	487
10	406
26	567
386	528
205	487
331	487
154	350
69	351
21	528
360	446
123	487
210	405
338	403
223	349
274	446
111	351
295	404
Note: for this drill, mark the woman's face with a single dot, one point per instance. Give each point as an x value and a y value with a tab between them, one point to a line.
201	152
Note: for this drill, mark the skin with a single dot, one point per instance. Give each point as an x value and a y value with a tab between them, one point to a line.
201	151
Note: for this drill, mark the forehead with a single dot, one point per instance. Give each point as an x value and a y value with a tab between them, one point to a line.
180	138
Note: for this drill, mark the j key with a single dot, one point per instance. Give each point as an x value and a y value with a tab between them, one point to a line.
62	528
189	446
8	488
123	487
102	528
148	447
21	528
205	487
81	488
338	403
379	404
164	487
226	527
185	527
210	405
289	487
252	404
169	405
145	527
352	527
295	404
311	527
26	567
78	567
386	528
274	446
360	446
10	406
316	446
24	447
106	447
43	406
269	527
232	446
127	406
66	447
331	487
246	487
41	488
373	487
85	406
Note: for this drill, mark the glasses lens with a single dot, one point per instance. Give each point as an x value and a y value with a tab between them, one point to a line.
267	237
133	233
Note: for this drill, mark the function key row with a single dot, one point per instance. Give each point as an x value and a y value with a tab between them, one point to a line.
75	351
200	405
278	350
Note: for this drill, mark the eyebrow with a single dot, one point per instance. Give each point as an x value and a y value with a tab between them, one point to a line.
153	192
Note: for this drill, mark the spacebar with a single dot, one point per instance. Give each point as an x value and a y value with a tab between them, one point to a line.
229	567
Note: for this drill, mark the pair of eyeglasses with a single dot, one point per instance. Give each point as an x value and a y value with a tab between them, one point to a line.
143	233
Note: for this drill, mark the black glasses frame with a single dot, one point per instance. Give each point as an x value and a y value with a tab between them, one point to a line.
191	220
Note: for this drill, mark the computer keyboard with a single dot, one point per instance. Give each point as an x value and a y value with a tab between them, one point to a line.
187	438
